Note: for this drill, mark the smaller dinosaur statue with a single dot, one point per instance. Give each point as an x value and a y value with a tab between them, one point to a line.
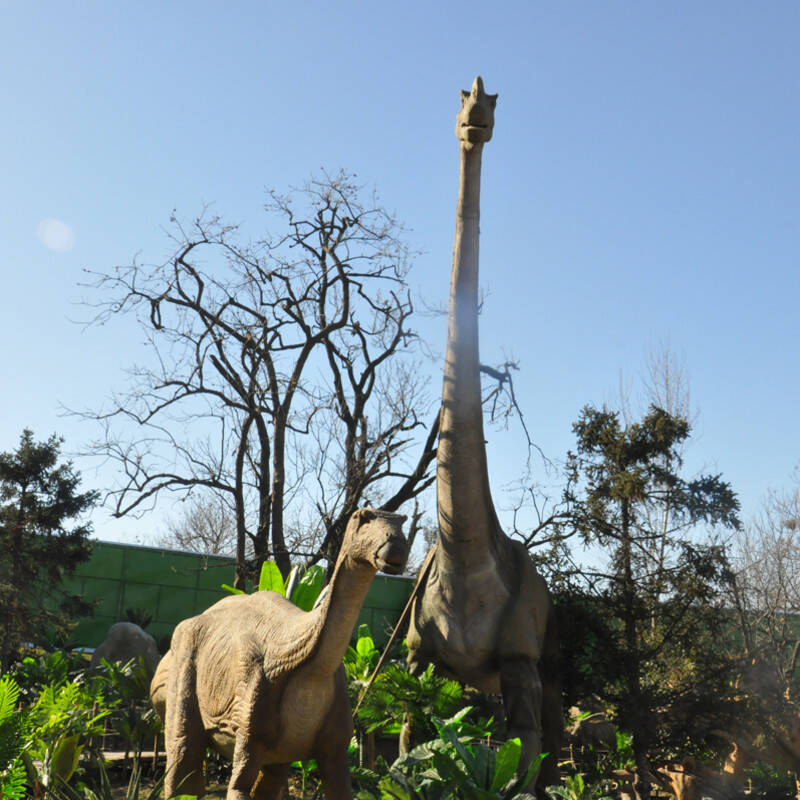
124	641
262	681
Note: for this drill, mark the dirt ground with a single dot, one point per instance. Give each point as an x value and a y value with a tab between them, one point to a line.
215	790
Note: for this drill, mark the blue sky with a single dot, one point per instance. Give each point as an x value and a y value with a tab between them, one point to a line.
641	187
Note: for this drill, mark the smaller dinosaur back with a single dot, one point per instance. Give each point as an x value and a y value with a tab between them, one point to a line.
286	635
262	681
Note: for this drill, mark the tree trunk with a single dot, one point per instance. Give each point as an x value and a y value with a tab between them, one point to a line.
641	781
279	552
16	580
637	717
241	529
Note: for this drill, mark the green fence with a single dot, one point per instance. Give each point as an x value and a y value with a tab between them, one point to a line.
172	586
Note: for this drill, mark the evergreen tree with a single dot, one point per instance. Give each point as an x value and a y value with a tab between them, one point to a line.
39	502
655	582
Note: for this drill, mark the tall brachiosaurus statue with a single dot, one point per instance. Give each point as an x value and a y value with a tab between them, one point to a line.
482	612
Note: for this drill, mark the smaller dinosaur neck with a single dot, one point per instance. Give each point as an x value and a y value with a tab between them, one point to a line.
339	612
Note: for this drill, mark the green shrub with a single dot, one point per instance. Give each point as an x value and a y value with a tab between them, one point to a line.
455	765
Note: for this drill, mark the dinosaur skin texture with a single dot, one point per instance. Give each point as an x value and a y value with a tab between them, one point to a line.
262	681
483	613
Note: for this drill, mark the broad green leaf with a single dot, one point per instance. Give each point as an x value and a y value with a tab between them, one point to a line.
392	788
309	587
291	580
365	645
363	632
476	793
480	766
271	579
467	757
506	763
525	779
450	768
459	715
64	760
350	655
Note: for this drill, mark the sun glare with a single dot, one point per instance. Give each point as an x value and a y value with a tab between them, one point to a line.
56	235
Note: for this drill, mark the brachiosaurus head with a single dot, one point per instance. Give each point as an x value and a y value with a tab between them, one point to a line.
476	119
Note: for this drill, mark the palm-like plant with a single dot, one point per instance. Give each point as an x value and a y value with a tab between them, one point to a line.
575	788
12	741
128	692
62	722
457	766
397	697
302	587
104	791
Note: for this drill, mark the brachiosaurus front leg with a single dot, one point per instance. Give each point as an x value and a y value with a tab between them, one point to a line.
522	697
335	775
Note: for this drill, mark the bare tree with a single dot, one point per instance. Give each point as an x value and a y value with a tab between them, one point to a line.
766	557
665	384
765	594
208	525
280	372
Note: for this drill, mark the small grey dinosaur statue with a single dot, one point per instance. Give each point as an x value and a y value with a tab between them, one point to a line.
262	681
483	613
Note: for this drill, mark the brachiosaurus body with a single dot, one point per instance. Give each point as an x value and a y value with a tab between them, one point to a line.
482	614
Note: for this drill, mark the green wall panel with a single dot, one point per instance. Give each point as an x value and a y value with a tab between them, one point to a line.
140	595
206	598
161	632
215	574
91	632
104	593
380	622
106	562
388	592
147	567
174	586
176	604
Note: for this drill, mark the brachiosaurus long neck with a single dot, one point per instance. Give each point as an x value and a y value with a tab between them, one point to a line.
467	519
338	612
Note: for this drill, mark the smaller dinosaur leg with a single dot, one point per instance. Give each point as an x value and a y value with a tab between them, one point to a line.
271	782
247	762
184	737
249	752
330	747
522	698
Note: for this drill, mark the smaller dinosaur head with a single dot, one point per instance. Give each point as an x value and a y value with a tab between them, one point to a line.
475	121
376	537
